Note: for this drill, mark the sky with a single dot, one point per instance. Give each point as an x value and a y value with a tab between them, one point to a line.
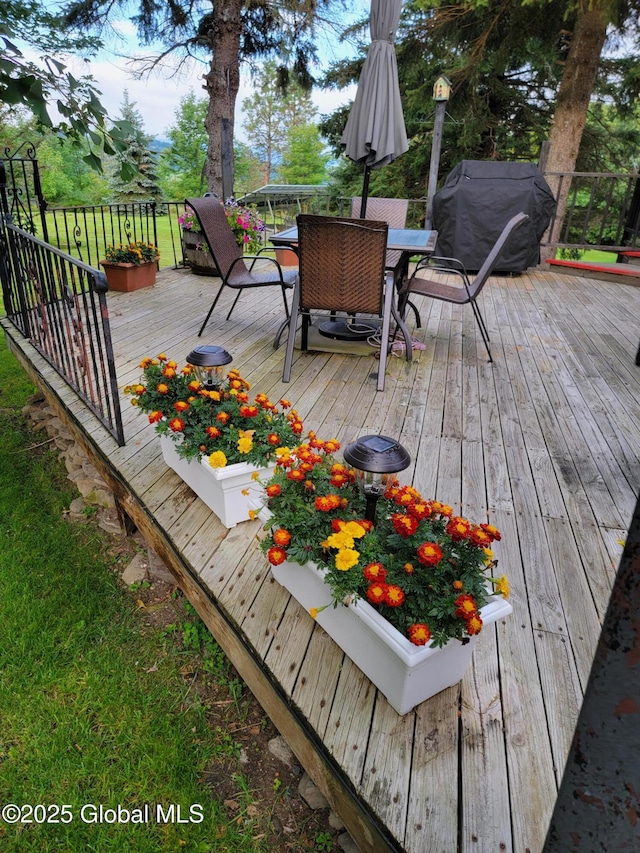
158	97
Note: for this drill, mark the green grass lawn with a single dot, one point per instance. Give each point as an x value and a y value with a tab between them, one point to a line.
94	707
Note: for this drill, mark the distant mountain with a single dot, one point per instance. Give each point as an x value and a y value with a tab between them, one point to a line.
158	145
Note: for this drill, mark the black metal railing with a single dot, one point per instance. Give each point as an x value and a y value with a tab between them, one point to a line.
602	210
59	304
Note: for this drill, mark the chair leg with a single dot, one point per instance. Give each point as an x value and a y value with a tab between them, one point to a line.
234	302
481	325
284	299
389	296
215	302
291	339
408	342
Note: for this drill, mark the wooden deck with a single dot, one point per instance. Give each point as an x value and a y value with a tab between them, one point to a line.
544	443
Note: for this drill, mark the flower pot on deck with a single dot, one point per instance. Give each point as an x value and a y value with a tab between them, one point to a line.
128	277
286	258
229	492
199	259
404	673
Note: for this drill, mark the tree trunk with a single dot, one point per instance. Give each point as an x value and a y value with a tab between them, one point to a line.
572	103
222	83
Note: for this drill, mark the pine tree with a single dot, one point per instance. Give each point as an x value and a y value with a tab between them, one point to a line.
144	184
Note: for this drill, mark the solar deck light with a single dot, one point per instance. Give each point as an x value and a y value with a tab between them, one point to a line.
375	458
208	361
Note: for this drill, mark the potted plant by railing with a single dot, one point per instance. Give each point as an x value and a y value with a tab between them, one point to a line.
245	223
406	597
131	266
213	435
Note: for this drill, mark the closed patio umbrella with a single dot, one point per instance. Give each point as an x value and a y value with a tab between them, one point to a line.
375	133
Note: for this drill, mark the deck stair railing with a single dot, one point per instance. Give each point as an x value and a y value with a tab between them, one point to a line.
59	304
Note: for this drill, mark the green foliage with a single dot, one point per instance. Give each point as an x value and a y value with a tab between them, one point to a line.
217	421
304	160
133	169
182	164
136	253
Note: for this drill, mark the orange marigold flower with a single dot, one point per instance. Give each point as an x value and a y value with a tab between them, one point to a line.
154	417
465	606
458	528
296	427
162	357
419	634
325	503
480	537
273	439
501	586
176	424
309	486
162	388
492	531
419	509
276	555
296	475
285	404
374	572
339	479
181	406
409	568
249	411
274	490
169	372
405	525
376	592
223	417
474	624
146	361
213	432
394	596
331	446
194	386
429	553
282	537
457	585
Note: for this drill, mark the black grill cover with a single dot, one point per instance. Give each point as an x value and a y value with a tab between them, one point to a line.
476	202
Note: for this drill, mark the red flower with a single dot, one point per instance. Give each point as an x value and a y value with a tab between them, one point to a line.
394	596
429	553
474	624
282	537
419	509
212	432
273	439
181	406
376	592
419	634
154	417
491	531
296	427
480	537
273	490
223	417
325	503
296	475
339	479
466	607
176	424
162	388
276	555
285	404
458	528
374	572
248	411
405	525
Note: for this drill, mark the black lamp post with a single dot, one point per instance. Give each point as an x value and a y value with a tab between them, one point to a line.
375	457
208	361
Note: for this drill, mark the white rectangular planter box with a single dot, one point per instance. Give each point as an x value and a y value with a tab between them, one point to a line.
404	673
229	492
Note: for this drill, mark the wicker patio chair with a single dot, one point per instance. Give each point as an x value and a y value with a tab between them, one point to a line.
467	292
342	269
229	258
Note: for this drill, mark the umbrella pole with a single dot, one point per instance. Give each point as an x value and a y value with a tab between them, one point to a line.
365	192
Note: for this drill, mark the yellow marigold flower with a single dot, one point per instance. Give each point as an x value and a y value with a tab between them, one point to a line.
245	444
313	612
283	452
217	459
255	475
346	558
245	492
340	540
489	555
501	586
354	529
253	513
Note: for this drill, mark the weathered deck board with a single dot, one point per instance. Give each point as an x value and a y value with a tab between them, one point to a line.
544	443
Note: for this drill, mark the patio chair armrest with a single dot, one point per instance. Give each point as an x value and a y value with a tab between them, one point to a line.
437	262
254	258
